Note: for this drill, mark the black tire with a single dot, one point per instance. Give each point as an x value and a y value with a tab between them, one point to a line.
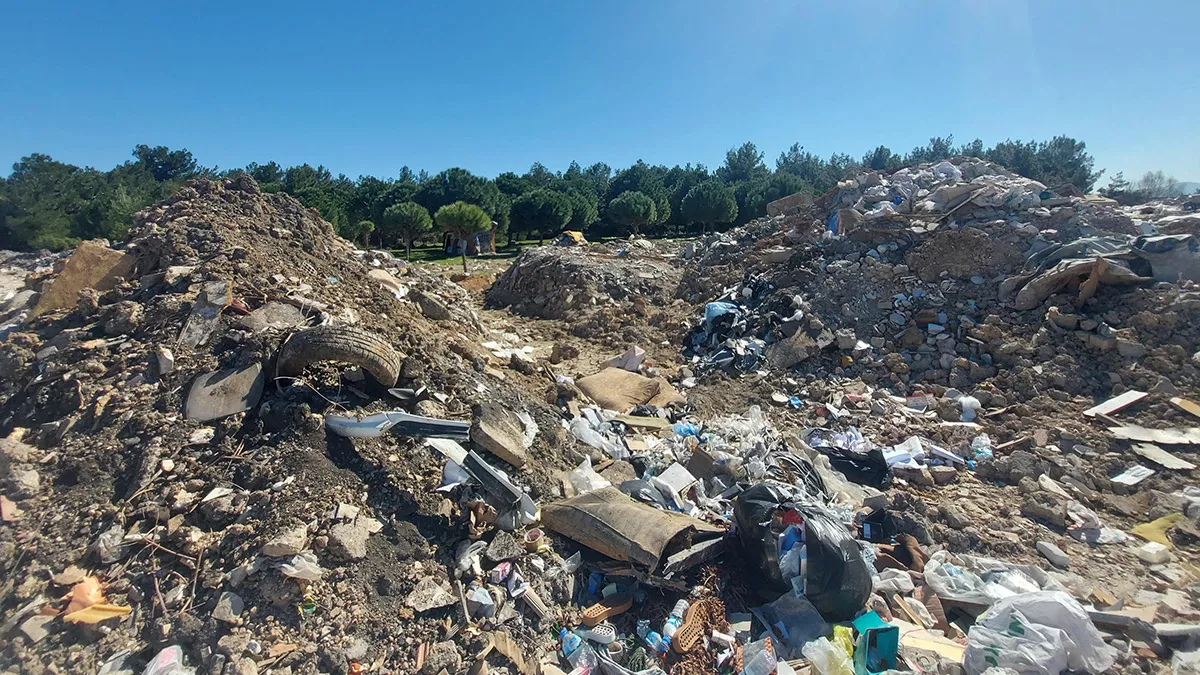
343	345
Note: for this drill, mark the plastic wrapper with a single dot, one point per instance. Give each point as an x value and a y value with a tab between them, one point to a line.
1045	632
827	658
796	619
585	433
302	566
169	661
838	581
584	479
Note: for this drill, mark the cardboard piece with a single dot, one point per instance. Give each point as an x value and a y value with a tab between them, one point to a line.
1187	436
1116	403
92	265
622	528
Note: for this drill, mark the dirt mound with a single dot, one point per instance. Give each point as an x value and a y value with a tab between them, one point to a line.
553	282
177	518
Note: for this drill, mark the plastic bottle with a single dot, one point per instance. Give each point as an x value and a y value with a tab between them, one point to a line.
674	621
656	643
981	446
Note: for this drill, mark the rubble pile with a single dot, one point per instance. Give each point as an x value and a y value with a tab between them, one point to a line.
171	440
942	420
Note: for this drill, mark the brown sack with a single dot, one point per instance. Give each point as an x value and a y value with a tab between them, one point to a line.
621	390
622	528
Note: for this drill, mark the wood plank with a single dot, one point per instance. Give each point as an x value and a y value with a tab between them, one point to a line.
1115	403
1187	406
1162	457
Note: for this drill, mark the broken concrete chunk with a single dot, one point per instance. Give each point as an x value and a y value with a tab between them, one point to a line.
225	392
274	315
1054	554
229	608
791	351
288	542
499	432
432	307
349	540
92	265
429	594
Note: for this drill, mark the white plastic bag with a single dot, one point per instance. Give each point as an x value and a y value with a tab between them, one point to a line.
168	662
585	479
303	566
1045	632
827	659
951	581
944	170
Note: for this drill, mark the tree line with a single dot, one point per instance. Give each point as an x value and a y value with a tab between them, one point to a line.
45	203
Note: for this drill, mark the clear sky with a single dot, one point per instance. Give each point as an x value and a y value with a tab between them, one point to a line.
366	87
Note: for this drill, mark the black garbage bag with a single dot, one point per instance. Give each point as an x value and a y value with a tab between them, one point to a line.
838	580
644	491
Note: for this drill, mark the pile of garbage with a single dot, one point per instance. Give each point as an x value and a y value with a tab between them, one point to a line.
907	429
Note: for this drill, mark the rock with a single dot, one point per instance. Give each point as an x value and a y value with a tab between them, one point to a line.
504	547
24	483
499	432
357	650
428	595
1131	349
954	516
1050	485
846	339
1066	321
915	475
791	351
563	351
234	645
108	545
348	541
245	667
91	265
943	475
442	656
287	543
34	628
1054	554
334	662
1047	506
229	608
431	306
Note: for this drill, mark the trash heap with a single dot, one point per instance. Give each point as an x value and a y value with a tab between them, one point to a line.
922	436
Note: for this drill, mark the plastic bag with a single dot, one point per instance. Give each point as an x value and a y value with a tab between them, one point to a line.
584	479
585	433
838	581
797	619
951	581
1045	632
303	566
944	170
168	662
827	659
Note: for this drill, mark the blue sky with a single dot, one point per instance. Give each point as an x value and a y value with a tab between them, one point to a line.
365	88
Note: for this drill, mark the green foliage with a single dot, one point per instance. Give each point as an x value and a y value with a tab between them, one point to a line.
709	203
541	211
632	209
742	164
45	203
937	149
766	190
404	222
358	232
881	159
462	221
647	180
